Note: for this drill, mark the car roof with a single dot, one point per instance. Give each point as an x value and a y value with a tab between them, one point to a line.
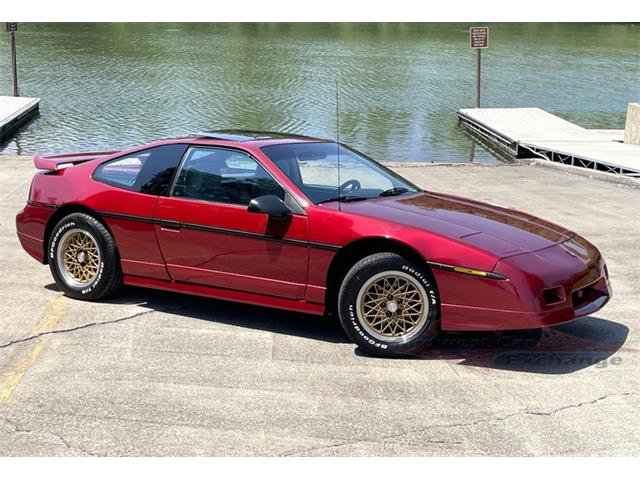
255	138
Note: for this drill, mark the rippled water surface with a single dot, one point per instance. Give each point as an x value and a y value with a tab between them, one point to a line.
117	85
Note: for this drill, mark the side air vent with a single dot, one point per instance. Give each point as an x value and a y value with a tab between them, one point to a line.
553	295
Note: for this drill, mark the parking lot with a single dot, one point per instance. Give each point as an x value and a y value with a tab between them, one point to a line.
153	373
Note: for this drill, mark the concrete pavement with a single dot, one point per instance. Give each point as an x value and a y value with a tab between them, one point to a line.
152	373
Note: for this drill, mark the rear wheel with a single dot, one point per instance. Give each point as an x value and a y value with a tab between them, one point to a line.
388	305
83	258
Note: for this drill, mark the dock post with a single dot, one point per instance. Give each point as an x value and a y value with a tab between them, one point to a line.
478	79
14	66
632	125
478	39
11	28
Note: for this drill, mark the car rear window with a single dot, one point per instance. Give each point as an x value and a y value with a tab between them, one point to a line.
148	171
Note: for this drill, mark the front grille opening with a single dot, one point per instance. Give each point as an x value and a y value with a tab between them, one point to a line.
553	295
580	297
589	293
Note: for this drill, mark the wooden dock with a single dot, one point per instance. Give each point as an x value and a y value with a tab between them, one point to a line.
14	112
523	132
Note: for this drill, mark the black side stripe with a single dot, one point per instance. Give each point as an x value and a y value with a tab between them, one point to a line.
124	216
324	246
229	231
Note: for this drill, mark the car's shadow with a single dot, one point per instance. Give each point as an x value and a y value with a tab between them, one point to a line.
590	341
231	313
586	342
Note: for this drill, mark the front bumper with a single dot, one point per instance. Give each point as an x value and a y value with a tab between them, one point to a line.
544	288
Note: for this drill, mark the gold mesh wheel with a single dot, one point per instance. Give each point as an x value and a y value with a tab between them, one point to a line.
78	258
392	306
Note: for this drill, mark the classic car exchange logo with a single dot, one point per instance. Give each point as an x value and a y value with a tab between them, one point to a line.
555	351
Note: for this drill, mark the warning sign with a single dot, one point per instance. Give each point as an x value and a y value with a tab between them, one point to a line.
479	37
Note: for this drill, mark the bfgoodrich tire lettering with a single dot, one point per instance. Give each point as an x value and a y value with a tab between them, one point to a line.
372	298
93	243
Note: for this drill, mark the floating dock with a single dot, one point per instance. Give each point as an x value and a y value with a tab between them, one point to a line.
523	132
14	112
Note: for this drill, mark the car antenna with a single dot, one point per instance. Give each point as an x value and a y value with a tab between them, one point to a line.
339	193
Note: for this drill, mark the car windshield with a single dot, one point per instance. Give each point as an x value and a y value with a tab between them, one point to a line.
313	167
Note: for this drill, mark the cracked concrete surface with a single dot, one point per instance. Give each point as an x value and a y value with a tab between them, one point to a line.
71	329
17	430
154	373
81	327
501	418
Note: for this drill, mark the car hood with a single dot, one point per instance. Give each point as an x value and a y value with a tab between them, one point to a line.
500	231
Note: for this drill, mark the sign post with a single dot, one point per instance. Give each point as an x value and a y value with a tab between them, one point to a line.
478	39
12	28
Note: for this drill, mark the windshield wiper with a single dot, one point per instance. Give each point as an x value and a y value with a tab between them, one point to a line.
344	198
393	192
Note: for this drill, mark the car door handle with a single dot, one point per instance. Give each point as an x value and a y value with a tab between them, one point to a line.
170	225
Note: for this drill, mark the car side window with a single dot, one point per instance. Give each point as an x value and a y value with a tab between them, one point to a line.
148	171
223	175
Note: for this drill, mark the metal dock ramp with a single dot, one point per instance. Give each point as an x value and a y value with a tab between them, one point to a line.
15	111
521	132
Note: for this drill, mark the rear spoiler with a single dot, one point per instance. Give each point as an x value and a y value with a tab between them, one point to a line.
58	162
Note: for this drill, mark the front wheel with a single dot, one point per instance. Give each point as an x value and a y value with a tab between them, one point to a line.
388	305
83	258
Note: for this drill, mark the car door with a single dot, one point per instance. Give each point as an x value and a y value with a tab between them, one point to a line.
207	236
131	186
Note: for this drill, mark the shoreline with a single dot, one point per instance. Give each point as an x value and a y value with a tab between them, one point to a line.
523	162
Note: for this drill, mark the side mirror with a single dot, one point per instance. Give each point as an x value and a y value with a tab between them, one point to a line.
269	204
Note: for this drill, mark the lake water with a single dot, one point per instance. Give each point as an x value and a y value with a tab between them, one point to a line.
117	85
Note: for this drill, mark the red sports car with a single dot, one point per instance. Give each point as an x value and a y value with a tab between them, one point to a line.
304	224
